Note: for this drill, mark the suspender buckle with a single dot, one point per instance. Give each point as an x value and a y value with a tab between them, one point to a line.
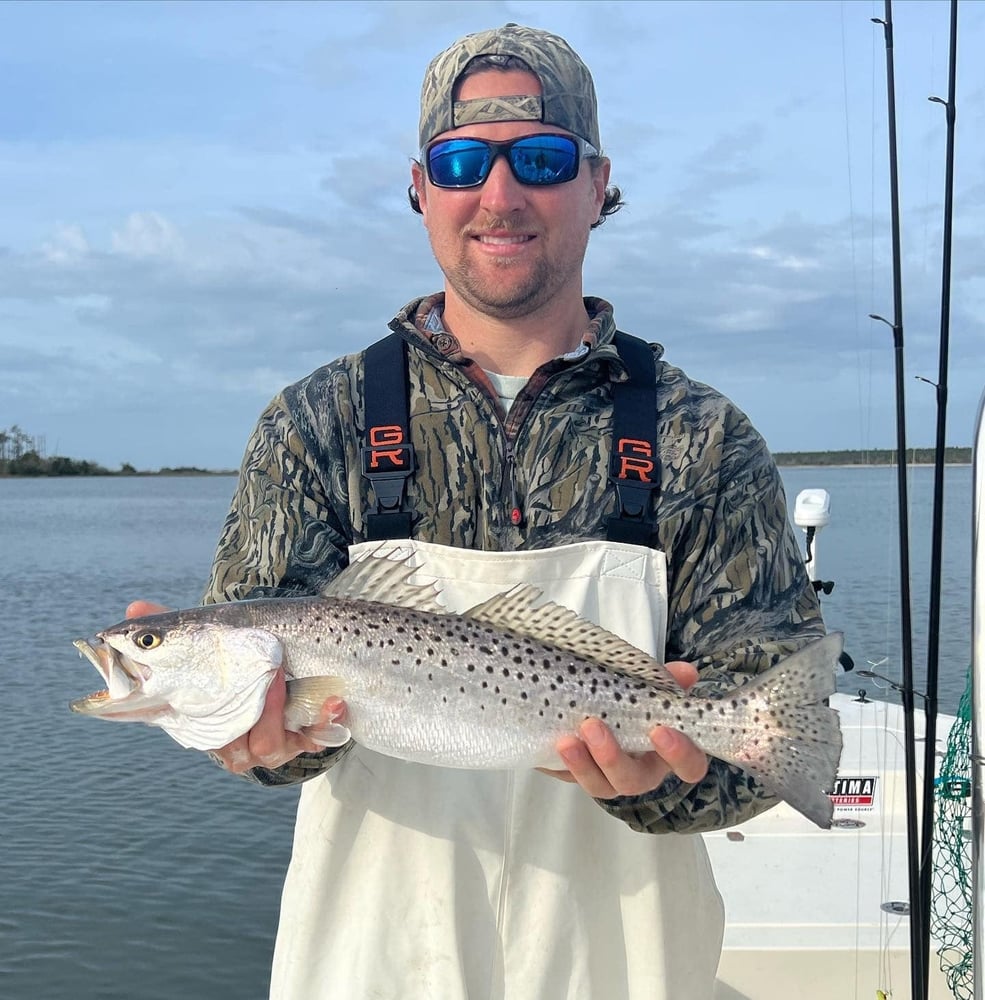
388	463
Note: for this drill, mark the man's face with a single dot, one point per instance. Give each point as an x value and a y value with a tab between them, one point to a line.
508	249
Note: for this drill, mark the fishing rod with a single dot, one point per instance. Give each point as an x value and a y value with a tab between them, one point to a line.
937	529
917	972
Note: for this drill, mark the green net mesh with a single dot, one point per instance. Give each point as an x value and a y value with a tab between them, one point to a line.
951	894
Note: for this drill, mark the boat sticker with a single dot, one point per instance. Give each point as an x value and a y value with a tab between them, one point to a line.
854	794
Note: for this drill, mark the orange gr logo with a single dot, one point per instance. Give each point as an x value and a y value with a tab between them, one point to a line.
387	443
635	460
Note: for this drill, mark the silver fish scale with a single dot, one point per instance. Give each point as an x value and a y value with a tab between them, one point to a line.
463	693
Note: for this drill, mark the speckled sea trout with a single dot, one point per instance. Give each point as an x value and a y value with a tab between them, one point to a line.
494	687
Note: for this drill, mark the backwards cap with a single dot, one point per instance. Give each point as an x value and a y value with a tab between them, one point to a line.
567	96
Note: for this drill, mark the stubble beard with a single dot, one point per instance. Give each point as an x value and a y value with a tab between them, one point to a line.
513	297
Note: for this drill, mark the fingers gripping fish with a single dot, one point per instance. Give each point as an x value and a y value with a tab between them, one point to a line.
494	687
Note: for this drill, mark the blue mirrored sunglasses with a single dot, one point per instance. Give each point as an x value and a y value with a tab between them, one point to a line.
534	159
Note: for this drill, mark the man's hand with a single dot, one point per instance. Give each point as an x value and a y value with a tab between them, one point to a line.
268	743
605	770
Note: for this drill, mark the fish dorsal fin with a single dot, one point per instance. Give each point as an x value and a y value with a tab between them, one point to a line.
385	578
558	626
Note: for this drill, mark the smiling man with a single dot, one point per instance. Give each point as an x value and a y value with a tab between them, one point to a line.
507	433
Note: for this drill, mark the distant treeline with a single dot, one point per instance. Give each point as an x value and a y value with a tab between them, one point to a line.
22	454
914	456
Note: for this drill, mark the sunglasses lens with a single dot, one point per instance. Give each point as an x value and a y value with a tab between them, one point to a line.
548	159
459	162
534	159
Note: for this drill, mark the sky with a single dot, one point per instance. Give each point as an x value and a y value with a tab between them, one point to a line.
202	202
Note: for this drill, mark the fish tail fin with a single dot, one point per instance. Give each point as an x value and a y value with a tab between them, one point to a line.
793	742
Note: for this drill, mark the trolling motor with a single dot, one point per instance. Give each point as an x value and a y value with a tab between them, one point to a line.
812	512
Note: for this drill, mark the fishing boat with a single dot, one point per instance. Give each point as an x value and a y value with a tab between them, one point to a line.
850	912
822	914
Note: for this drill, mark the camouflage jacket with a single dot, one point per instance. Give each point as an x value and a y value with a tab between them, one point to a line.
739	598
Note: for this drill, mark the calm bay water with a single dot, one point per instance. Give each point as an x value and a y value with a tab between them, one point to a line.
134	869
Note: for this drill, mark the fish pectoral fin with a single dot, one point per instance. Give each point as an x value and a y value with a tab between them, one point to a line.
306	711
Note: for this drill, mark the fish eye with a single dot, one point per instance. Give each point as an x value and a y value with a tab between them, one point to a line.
148	639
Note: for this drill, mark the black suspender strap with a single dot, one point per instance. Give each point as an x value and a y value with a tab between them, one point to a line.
387	455
633	467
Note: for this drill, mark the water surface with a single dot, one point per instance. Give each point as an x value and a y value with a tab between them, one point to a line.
136	870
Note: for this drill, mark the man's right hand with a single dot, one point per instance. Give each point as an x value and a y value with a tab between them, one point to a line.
268	744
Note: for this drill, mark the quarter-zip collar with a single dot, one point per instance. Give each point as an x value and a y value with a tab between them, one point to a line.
420	322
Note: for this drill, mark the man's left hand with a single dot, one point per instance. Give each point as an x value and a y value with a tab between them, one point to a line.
605	770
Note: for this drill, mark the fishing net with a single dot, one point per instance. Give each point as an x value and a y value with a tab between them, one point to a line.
951	893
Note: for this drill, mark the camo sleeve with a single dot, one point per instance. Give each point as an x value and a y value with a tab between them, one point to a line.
740	601
283	536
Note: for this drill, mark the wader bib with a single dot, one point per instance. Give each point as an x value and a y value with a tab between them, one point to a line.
411	882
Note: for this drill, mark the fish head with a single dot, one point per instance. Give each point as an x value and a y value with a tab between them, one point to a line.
202	681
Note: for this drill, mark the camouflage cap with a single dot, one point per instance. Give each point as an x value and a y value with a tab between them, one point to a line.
567	96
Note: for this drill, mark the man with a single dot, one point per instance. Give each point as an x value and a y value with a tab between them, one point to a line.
418	882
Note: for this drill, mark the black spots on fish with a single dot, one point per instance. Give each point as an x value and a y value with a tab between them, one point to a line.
547	703
506	671
617	695
461	690
518	660
666	704
486	650
504	650
572	669
535	678
317	639
572	704
485	684
470	667
395	663
648	716
523	695
400	629
633	699
430	675
503	701
444	663
489	668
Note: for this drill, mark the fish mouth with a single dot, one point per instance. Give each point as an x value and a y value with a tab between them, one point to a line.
123	697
